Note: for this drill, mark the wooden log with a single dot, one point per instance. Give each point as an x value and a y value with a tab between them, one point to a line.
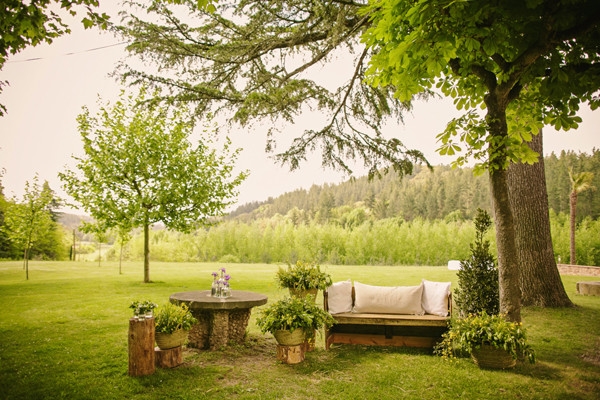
168	358
141	347
290	354
591	288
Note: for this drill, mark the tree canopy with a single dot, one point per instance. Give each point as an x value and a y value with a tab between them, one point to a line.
140	168
534	60
29	23
259	59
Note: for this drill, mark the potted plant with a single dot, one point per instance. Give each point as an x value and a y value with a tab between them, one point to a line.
171	325
491	340
303	279
142	309
289	320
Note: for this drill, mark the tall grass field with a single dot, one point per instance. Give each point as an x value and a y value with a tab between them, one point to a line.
63	334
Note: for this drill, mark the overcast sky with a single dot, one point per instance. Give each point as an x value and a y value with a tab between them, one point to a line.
50	83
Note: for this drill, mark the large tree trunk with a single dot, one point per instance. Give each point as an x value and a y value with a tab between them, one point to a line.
146	251
540	280
508	261
573	205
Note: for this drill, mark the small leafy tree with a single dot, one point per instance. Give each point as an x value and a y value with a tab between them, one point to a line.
100	234
478	276
140	168
29	221
123	237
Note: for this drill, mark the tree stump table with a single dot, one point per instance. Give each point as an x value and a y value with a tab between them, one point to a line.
591	288
141	347
220	321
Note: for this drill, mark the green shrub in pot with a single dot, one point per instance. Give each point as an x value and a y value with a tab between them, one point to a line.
303	276
476	332
291	314
171	317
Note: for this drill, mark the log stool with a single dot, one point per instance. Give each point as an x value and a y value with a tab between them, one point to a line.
141	347
290	354
168	358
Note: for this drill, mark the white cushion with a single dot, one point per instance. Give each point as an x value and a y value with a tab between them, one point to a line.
339	297
388	300
435	297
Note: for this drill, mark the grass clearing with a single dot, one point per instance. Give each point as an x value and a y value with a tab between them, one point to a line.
64	335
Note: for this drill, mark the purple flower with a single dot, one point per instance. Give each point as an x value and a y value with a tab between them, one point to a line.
214	274
227	277
222	270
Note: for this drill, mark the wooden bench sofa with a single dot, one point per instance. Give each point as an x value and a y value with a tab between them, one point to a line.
386	329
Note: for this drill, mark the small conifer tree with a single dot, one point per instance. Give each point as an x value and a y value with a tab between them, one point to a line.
478	288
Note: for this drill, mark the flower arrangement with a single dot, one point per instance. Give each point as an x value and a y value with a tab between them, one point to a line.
303	276
293	313
468	334
171	318
142	308
220	286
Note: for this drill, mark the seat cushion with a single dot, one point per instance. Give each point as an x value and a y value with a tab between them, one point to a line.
387	299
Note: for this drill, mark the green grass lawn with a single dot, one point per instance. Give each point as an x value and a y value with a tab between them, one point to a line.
63	334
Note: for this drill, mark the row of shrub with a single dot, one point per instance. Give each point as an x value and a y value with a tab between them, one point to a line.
389	241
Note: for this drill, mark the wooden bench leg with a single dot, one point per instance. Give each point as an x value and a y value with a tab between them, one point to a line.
328	339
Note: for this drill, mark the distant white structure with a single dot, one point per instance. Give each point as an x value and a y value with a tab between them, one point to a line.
454	264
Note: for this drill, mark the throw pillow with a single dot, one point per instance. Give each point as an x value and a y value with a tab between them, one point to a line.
339	297
435	297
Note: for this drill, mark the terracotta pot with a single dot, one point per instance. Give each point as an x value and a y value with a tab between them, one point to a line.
287	338
488	356
166	341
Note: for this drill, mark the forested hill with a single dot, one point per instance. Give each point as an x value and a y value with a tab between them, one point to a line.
438	194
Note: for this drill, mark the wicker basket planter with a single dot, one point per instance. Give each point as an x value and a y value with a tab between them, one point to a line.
310	293
488	356
287	338
166	341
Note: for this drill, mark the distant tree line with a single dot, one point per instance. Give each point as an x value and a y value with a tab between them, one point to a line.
352	237
425	219
438	194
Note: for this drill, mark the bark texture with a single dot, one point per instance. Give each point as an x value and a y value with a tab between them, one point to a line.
539	277
169	358
141	347
290	354
508	262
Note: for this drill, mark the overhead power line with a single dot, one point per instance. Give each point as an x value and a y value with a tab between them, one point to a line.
67	54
